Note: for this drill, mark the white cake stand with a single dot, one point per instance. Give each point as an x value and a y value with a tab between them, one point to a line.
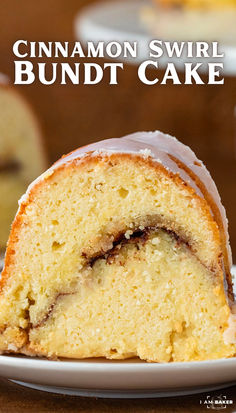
120	21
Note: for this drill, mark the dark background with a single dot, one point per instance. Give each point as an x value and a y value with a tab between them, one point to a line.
71	115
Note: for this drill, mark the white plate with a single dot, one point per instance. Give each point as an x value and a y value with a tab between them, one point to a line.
129	378
120	21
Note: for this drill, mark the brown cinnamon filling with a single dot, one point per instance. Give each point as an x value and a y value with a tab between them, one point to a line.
51	308
119	241
137	237
10	166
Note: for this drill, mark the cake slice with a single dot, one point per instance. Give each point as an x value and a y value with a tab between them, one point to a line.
120	249
21	154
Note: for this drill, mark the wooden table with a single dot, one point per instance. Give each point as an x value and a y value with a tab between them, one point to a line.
17	399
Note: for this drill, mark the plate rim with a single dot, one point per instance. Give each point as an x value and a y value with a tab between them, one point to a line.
105	365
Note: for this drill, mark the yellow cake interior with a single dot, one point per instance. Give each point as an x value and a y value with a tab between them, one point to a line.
155	301
123	261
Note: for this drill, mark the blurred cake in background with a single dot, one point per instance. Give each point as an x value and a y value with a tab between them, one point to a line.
210	4
192	20
21	153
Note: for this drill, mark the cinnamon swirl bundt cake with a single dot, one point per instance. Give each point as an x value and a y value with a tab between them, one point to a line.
119	250
21	154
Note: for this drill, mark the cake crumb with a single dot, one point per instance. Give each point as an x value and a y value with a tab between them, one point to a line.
128	233
217	291
178	327
158	253
148	278
146	152
168	350
98	187
155	241
11	347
